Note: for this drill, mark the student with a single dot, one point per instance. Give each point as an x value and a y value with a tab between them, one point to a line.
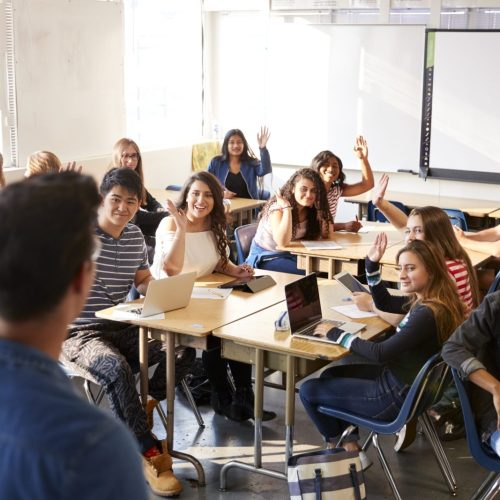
298	211
53	444
126	154
43	162
474	350
237	168
193	238
432	311
486	241
433	225
330	169
105	351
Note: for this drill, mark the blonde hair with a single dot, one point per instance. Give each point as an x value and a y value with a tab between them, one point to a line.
42	162
116	161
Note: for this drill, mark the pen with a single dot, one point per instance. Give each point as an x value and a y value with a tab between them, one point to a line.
213	292
346	299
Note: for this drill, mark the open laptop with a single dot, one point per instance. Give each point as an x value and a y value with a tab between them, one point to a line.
163	295
304	310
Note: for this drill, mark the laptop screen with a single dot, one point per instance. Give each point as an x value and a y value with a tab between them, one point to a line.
302	302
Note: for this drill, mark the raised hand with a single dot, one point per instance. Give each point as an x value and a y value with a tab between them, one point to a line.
263	137
71	167
360	147
379	191
178	215
377	250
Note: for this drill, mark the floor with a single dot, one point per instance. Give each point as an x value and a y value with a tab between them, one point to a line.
221	440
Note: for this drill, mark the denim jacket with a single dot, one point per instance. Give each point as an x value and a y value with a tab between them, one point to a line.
53	444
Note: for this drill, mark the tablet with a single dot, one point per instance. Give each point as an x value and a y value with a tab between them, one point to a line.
348	281
251	284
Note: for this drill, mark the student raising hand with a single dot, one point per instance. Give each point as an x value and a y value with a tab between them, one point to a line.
263	137
377	250
360	147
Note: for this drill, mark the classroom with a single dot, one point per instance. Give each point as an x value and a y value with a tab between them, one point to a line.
403	92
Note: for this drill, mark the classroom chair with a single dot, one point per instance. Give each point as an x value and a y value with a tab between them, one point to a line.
243	236
484	457
457	218
427	388
375	215
495	286
173	187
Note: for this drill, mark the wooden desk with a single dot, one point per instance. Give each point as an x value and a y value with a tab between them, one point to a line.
192	326
474	208
495	214
254	339
241	208
354	249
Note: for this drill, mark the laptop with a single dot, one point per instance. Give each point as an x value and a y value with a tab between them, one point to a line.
162	295
304	311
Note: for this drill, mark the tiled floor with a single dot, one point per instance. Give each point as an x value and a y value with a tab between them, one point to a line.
415	470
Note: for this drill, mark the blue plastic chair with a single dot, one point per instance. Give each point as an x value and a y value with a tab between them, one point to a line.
484	457
457	218
173	187
243	236
375	215
427	388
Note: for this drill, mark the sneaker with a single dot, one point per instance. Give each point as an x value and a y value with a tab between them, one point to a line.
242	407
158	473
406	436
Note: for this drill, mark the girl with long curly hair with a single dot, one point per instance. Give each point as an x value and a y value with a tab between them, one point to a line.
193	238
298	211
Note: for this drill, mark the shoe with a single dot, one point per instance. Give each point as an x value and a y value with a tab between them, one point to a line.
184	360
221	403
242	407
365	460
449	424
406	435
158	473
151	404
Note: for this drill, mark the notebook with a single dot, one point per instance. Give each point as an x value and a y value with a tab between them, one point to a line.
304	311
162	295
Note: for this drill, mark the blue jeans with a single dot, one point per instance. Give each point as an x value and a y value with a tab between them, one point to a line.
495	442
283	262
365	389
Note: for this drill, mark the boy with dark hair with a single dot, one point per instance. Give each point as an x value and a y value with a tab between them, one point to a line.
53	445
107	352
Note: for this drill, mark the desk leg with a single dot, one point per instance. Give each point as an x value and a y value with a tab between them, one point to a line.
258	406
308	264
143	364
240	218
170	355
289	408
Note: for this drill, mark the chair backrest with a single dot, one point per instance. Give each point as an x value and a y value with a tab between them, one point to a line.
457	218
495	286
173	187
243	236
375	215
481	455
427	388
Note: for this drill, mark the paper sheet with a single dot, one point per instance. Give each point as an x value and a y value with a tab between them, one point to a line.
321	245
352	311
210	293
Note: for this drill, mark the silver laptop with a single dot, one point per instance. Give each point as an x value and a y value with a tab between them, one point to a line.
163	295
304	311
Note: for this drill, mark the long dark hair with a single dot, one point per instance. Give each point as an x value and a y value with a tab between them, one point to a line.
438	231
323	159
217	215
441	294
317	216
246	155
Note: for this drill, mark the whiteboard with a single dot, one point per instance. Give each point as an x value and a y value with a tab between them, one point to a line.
465	102
328	83
69	72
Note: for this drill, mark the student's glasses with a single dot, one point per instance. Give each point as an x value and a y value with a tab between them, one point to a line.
133	156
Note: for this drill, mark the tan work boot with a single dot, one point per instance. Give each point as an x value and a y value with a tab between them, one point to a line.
158	473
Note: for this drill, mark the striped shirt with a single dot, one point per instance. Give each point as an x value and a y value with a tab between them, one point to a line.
458	270
333	195
117	264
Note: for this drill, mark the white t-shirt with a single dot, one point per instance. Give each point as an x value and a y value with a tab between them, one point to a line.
200	255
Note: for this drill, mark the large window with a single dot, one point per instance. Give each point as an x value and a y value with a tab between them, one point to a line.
163	72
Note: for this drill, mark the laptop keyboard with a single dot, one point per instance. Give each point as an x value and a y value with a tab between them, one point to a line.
310	329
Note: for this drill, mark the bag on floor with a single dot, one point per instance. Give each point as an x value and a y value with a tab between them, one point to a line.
326	475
